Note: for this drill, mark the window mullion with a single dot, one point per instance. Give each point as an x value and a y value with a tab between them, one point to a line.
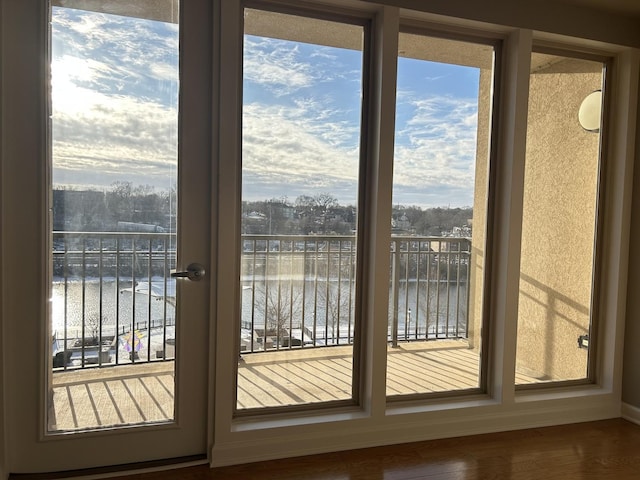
229	23
377	206
508	181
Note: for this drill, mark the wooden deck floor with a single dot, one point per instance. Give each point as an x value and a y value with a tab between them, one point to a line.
123	395
130	394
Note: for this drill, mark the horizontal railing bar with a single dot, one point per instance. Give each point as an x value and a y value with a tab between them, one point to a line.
311	277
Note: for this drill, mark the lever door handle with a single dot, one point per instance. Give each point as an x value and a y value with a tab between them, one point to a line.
194	271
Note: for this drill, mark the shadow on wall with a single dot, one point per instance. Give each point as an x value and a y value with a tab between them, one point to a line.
549	327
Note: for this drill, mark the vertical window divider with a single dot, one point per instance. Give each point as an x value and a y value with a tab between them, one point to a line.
228	184
377	205
507	176
618	149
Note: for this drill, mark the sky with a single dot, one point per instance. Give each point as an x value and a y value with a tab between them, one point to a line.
115	110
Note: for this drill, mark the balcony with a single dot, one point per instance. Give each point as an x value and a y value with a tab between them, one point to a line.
144	392
113	322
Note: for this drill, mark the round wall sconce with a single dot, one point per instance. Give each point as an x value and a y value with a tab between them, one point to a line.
590	111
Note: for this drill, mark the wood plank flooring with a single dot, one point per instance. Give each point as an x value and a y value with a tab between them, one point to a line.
124	395
603	450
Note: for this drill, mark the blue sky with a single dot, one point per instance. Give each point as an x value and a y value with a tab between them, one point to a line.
115	86
114	100
435	137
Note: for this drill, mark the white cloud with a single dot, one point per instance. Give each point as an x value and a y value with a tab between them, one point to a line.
114	94
115	135
113	117
121	52
301	148
276	65
435	151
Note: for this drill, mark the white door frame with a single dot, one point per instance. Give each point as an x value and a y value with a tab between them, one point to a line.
25	257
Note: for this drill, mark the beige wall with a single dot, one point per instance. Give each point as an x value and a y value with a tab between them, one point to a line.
558	228
631	369
559	219
478	257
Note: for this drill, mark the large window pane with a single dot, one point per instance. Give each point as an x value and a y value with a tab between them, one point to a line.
114	137
300	160
559	219
438	215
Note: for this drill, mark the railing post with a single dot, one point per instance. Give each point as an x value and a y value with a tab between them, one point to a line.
395	280
468	287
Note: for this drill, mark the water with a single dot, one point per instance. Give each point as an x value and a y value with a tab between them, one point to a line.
107	300
432	309
117	306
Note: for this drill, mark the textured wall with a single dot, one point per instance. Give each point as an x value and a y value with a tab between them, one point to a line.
559	212
478	257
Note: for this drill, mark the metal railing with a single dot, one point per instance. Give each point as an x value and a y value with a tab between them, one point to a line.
299	291
430	274
113	300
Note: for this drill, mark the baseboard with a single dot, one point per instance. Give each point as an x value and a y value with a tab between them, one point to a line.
631	413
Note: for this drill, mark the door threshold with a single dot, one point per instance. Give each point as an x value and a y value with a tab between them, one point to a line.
112	471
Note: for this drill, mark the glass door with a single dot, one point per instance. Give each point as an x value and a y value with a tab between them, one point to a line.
114	155
124	362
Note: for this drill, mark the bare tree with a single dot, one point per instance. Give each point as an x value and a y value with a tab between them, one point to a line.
336	299
281	302
92	327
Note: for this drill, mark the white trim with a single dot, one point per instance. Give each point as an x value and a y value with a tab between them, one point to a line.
542	15
631	413
253	446
226	339
377	205
616	214
508	165
216	54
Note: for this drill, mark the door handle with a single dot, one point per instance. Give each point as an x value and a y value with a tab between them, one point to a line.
194	271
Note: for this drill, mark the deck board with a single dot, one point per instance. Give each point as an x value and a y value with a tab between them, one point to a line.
129	394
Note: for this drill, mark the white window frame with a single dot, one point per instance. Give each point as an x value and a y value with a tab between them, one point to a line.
375	421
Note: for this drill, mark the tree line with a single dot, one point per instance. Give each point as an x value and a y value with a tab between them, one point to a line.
321	214
100	211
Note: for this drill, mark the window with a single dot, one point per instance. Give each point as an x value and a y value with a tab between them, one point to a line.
559	220
302	107
549	236
114	156
443	113
423	289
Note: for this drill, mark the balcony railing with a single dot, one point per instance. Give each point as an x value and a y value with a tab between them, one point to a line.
113	300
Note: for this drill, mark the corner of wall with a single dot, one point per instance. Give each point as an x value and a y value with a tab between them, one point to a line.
3	443
631	413
631	358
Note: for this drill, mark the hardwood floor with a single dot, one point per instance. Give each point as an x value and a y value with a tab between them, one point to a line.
602	450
